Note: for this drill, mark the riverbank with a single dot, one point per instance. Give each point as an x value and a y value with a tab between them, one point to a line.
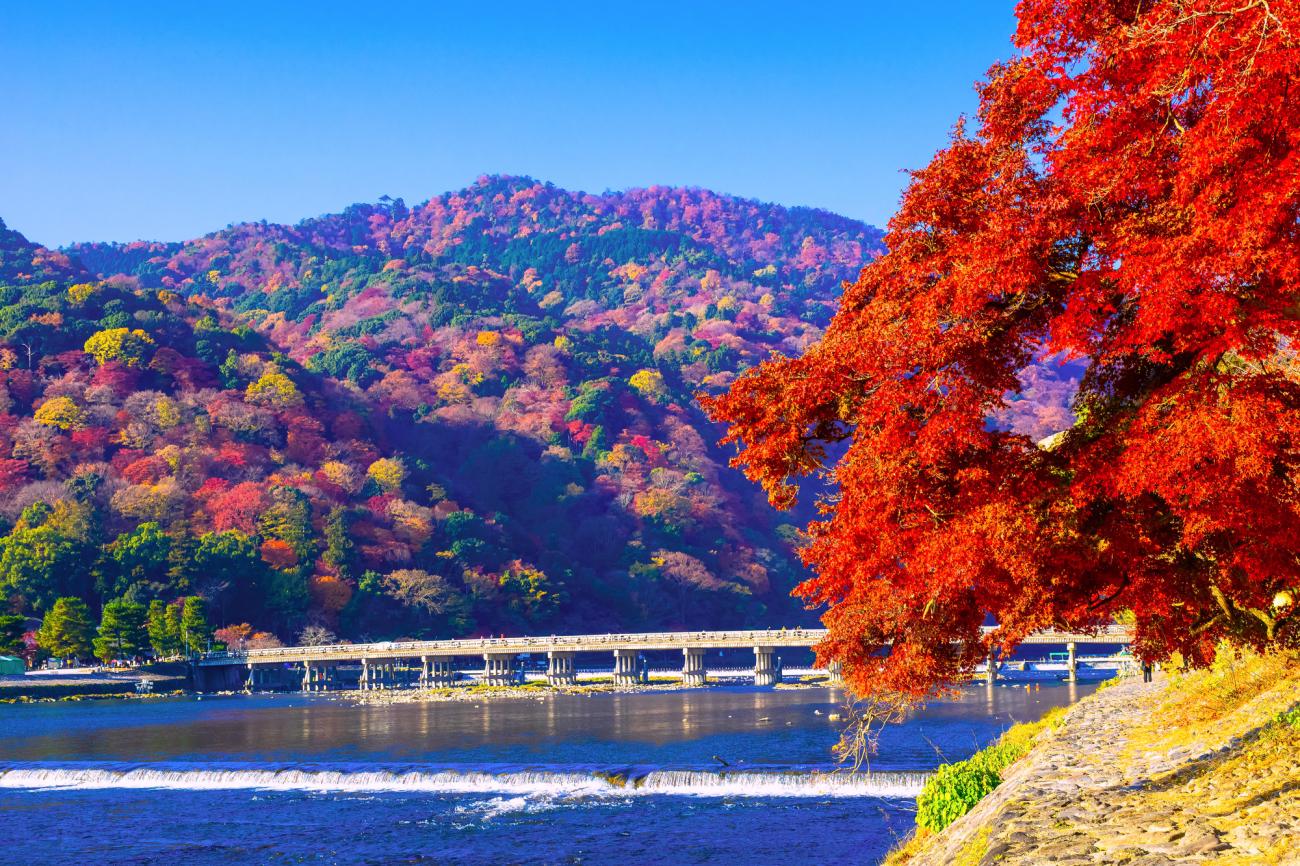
1192	768
89	683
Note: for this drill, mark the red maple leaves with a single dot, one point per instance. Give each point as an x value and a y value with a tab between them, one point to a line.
1131	196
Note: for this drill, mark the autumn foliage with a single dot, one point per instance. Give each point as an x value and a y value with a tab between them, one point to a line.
470	415
1129	196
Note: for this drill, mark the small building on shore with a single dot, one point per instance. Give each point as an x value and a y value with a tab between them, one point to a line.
12	666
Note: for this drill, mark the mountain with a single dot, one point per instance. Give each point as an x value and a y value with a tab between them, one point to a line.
474	415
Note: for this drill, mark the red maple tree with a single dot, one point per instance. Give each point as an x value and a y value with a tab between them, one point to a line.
1130	195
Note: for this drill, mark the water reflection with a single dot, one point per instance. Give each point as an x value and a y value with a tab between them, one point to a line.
633	727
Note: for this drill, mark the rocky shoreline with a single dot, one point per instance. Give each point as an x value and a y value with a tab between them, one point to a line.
1146	774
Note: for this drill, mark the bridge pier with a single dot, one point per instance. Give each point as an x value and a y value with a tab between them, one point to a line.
626	670
265	678
444	672
375	675
498	668
317	676
991	667
693	672
559	668
765	672
1072	665
408	677
435	671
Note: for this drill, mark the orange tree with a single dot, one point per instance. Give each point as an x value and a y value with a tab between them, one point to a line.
1129	195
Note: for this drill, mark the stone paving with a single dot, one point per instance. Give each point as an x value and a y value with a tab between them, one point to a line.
1093	792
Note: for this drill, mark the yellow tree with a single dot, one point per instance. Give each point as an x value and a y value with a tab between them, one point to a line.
60	412
81	292
650	383
119	344
273	388
388	473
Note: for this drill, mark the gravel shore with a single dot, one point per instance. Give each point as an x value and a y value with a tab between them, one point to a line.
90	683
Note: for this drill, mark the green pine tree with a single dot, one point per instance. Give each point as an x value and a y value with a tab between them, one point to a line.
597	444
137	558
122	630
65	631
157	628
180	557
195	629
172	630
12	628
339	549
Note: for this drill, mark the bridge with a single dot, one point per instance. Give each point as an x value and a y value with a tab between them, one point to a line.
433	663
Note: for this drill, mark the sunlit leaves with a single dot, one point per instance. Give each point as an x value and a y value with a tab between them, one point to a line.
126	345
1129	198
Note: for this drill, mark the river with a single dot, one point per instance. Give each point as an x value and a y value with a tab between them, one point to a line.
718	775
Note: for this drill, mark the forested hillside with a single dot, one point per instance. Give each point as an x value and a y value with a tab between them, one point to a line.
473	415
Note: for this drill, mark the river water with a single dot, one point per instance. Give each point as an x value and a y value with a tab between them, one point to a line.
717	775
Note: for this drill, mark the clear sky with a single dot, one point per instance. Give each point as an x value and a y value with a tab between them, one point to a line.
169	120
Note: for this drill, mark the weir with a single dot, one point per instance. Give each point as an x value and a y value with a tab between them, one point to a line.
557	779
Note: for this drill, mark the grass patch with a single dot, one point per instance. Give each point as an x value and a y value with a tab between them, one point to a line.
1254	783
1239	692
908	848
973	851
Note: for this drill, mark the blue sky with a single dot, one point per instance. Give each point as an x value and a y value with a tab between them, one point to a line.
166	121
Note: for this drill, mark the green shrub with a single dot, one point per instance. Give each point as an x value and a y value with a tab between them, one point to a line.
954	789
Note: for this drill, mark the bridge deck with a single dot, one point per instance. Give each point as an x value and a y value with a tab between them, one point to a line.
704	640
